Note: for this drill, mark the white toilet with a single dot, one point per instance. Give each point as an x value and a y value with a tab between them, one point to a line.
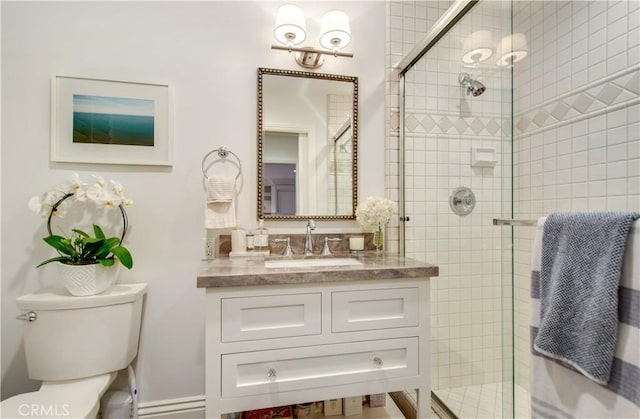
76	346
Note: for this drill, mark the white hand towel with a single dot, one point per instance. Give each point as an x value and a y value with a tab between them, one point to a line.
220	211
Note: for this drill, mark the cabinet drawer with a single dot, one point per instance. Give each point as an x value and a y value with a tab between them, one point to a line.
275	316
253	373
374	309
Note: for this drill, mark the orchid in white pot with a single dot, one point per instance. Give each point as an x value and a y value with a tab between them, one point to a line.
374	214
80	248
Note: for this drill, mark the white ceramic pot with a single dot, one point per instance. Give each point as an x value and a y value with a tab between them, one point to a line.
83	280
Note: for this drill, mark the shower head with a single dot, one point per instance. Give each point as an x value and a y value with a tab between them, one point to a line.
474	87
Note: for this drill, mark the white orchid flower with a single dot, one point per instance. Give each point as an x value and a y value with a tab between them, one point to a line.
43	204
118	189
36	205
101	193
75	184
103	197
98	192
81	194
61	209
100	181
111	200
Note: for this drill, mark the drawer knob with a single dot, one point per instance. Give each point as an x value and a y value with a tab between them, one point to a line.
377	361
272	374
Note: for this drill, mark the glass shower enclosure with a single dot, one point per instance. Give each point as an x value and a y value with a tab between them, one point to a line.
456	177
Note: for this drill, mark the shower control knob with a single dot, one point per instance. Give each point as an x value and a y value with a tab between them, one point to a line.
272	374
462	201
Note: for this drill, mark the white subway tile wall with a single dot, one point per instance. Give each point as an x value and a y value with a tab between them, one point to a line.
577	130
576	147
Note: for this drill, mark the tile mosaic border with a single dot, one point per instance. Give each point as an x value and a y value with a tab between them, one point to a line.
611	93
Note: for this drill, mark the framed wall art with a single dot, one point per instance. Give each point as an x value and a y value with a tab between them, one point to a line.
111	121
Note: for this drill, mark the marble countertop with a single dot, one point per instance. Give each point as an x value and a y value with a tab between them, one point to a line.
249	271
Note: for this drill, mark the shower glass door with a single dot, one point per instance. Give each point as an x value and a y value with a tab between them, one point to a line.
457	133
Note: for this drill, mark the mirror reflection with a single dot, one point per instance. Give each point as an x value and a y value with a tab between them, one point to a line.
307	145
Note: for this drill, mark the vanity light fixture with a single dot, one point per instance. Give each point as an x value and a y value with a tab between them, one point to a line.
477	48
512	48
335	31
290	25
290	31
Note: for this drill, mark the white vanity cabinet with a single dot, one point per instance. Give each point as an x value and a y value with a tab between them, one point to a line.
273	345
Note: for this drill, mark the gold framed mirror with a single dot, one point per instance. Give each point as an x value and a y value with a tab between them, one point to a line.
307	145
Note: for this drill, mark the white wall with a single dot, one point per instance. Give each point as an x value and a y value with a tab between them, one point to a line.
209	52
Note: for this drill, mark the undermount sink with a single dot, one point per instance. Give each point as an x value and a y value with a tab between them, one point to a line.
310	263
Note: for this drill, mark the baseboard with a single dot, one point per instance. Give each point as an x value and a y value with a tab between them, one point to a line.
183	408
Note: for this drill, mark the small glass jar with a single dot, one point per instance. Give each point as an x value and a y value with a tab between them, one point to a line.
250	240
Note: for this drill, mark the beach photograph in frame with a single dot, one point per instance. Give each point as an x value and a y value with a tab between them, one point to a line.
111	121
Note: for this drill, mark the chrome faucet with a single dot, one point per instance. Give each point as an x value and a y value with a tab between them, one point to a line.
308	242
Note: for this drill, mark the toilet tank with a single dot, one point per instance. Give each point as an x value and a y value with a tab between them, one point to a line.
77	337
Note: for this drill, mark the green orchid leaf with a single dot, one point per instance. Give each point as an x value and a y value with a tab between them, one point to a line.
107	262
60	243
92	248
55	259
123	256
106	247
98	232
80	232
91	240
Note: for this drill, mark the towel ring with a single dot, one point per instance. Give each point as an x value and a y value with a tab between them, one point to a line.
223	153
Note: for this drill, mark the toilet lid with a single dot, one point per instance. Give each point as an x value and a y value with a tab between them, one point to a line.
53	402
45	404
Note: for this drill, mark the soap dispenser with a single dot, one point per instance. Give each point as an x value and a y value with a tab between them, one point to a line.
261	237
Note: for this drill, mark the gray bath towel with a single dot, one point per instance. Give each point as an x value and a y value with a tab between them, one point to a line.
579	277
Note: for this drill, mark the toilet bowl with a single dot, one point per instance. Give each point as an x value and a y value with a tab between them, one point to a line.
64	399
75	346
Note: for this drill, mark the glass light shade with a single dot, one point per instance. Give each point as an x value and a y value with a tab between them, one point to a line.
477	47
335	32
290	26
513	48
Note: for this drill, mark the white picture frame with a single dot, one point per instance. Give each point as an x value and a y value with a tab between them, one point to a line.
108	121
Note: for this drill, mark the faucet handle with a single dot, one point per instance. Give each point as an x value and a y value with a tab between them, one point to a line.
287	250
325	250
